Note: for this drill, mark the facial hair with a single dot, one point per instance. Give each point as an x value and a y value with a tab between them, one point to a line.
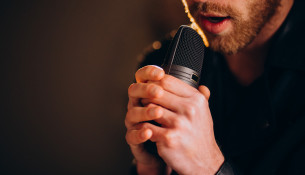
244	30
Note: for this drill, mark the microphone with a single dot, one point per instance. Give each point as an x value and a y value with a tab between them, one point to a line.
184	58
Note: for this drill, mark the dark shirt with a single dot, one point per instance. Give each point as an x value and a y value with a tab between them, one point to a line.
260	128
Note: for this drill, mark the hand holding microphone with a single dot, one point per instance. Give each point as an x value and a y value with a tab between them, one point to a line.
184	137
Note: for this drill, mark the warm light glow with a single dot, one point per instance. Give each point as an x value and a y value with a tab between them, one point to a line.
157	45
194	25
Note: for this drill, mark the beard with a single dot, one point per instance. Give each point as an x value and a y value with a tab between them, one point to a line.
244	30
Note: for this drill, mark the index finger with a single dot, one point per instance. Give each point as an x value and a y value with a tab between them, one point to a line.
149	73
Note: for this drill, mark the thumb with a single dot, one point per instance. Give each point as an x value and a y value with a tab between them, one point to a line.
204	91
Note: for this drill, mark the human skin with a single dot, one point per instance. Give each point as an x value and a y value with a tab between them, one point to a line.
185	140
248	63
185	119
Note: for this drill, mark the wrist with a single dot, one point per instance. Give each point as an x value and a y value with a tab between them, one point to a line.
218	164
218	161
214	163
212	167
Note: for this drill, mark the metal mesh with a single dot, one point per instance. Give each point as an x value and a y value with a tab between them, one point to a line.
190	49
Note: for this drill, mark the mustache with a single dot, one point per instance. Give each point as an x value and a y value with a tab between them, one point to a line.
211	7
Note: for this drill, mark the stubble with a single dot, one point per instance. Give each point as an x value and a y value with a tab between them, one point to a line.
244	30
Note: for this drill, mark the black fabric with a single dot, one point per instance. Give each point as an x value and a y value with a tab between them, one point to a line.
225	169
260	128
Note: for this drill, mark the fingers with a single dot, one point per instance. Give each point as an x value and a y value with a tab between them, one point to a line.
176	86
149	73
205	91
132	101
154	112
138	91
142	94
168	100
145	132
135	137
152	81
154	73
144	90
141	114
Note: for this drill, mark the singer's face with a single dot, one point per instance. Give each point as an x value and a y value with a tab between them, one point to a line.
231	25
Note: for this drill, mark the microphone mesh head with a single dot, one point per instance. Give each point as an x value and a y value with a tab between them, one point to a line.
189	50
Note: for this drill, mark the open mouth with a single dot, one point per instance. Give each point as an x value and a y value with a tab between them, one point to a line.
214	23
217	19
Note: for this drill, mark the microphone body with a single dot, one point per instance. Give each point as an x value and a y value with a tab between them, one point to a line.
184	58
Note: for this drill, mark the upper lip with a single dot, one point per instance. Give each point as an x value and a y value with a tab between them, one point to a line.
207	15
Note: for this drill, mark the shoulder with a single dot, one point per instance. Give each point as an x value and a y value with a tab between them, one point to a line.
288	45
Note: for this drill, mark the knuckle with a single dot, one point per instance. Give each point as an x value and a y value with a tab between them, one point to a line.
189	109
128	119
130	113
200	99
128	136
150	113
161	152
151	105
129	104
164	82
169	139
177	123
158	112
152	89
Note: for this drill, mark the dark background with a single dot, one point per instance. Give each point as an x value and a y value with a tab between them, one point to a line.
65	69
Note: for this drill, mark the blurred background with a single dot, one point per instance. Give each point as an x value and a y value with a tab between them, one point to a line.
65	69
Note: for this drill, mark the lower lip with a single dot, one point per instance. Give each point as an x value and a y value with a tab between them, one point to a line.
215	28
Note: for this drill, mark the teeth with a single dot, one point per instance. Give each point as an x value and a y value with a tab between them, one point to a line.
216	19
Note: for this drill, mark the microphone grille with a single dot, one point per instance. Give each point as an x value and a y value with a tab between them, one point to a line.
189	50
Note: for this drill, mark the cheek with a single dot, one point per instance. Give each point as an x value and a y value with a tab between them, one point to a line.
252	8
243	8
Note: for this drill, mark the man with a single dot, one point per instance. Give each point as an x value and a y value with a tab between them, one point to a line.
253	122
